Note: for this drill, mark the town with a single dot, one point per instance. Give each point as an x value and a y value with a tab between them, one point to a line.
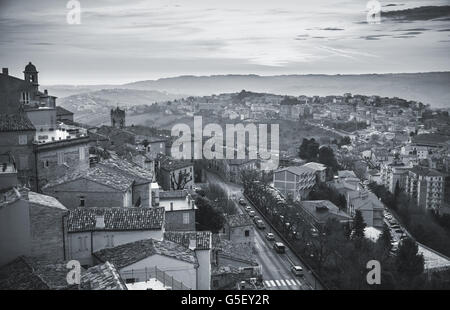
357	178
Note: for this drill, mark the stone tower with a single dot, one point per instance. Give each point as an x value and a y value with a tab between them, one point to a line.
31	75
117	118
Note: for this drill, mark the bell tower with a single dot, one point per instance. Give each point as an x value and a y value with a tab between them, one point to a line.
31	74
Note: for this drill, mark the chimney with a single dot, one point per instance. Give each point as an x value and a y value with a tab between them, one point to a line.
192	243
193	204
45	91
171	206
99	221
5	71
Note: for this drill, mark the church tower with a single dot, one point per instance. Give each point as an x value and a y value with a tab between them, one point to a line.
31	75
117	118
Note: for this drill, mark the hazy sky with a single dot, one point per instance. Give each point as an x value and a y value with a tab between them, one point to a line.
124	41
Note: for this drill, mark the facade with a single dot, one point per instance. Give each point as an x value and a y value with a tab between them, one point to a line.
426	187
318	212
295	182
94	229
180	210
238	228
176	174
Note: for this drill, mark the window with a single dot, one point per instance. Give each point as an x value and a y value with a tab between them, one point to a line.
82	153
25	97
82	201
247	233
60	157
186	218
23	139
46	164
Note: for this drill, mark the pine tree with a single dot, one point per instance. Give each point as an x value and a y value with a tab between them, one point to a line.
408	261
358	225
385	239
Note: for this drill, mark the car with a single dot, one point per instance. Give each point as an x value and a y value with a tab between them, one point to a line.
270	236
256	219
242	202
399	231
279	247
252	213
248	208
297	271
260	224
396	226
314	232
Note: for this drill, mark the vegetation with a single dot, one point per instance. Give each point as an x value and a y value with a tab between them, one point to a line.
339	260
208	216
324	192
423	225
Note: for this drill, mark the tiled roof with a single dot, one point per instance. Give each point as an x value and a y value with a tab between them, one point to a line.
84	219
315	166
27	273
130	253
237	220
171	164
202	238
45	200
424	171
61	111
15	122
298	170
102	277
99	174
322	210
132	170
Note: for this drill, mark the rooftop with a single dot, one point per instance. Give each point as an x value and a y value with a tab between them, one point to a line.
27	273
100	174
171	164
63	132
61	111
102	277
45	200
130	253
85	219
322	210
237	220
132	170
238	251
15	122
315	166
202	239
424	171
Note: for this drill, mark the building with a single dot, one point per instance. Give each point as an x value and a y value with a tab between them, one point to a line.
294	181
426	187
393	173
93	229
133	259
238	228
58	151
180	210
110	183
117	118
318	212
175	174
31	273
16	138
63	115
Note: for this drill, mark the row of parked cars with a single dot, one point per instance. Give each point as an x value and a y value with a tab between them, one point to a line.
279	247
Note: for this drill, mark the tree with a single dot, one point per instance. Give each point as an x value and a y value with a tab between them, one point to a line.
385	239
179	182
408	261
208	218
345	141
326	157
358	225
308	149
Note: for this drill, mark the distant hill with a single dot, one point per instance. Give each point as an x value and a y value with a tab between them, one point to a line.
430	88
94	107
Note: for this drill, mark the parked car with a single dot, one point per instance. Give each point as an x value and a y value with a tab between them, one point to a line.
270	236
260	224
279	247
252	213
248	208
399	231
256	219
297	271
242	202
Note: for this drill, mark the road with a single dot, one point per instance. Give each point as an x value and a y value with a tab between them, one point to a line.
275	267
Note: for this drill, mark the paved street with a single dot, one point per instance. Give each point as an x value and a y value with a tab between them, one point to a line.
275	267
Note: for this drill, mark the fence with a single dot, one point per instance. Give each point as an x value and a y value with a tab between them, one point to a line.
141	275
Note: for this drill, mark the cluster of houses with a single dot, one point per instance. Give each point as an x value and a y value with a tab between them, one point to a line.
128	218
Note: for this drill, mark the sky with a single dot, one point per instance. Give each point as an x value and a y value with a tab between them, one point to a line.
125	41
